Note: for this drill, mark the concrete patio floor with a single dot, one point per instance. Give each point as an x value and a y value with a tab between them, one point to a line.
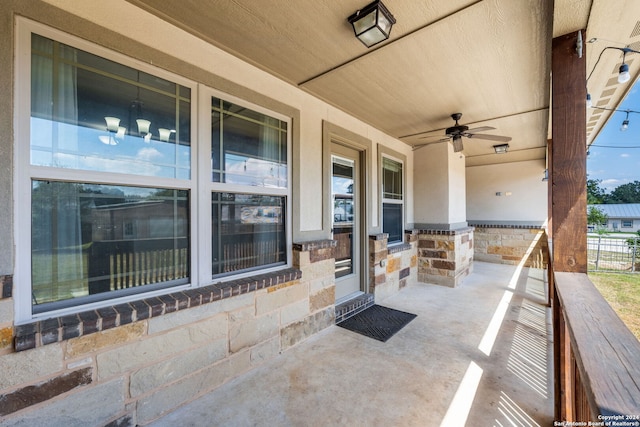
475	355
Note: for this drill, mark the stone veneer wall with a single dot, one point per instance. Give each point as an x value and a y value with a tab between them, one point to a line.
445	257
129	364
505	244
391	268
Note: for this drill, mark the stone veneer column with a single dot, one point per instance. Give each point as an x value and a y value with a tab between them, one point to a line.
391	268
445	257
316	261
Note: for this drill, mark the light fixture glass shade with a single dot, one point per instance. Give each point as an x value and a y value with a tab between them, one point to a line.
164	134
143	126
112	123
589	103
372	24
108	139
625	125
624	75
121	131
457	144
501	149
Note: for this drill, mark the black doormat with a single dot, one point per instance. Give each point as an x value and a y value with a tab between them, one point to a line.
378	322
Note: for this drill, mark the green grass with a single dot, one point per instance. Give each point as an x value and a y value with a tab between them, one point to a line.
622	292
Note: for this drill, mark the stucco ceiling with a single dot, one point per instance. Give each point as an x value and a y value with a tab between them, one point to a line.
488	59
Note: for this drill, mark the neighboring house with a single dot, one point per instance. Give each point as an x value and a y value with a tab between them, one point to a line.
623	217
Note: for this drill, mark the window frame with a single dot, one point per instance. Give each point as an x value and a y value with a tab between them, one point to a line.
208	186
384	152
24	172
624	223
199	185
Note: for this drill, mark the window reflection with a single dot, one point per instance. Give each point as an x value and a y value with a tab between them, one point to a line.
248	231
95	239
93	114
248	148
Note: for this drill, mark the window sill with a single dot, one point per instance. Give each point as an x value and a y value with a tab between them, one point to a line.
58	329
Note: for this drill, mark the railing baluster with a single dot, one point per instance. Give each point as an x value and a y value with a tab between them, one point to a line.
112	283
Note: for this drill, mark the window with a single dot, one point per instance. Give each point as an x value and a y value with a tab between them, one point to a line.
116	195
627	223
249	184
392	200
108	177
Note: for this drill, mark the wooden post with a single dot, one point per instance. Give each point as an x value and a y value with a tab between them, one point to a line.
567	163
568	172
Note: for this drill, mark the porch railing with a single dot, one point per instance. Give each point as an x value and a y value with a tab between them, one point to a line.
597	358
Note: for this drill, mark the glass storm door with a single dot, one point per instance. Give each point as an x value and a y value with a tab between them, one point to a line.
345	194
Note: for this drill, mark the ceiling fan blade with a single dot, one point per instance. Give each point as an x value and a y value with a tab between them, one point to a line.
480	129
497	138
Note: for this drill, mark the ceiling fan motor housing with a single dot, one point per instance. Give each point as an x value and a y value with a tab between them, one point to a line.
457	130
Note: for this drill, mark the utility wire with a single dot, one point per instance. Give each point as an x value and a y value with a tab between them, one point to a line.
614	146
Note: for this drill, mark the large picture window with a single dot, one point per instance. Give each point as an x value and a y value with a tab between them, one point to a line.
392	200
104	166
120	199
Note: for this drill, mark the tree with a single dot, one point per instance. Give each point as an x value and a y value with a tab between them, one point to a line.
598	219
625	193
595	193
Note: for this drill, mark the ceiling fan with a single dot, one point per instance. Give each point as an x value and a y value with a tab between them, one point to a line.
458	131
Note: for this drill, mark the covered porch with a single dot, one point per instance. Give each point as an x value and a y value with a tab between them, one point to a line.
480	354
502	343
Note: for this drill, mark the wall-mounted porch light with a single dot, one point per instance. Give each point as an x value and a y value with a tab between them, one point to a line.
372	24
501	149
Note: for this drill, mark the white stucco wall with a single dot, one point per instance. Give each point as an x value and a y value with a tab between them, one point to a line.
439	178
431	193
523	193
457	187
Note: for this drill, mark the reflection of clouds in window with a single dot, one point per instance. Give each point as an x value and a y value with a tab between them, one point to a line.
132	155
342	185
149	154
71	105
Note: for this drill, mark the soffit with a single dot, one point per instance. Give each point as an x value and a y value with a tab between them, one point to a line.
488	59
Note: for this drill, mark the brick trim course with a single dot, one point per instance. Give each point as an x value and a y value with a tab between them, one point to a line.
53	330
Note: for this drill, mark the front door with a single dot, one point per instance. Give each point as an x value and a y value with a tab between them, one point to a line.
346	197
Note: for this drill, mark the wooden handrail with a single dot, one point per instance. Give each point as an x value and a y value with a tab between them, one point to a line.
599	372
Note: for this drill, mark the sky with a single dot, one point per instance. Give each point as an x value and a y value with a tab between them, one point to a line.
617	166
